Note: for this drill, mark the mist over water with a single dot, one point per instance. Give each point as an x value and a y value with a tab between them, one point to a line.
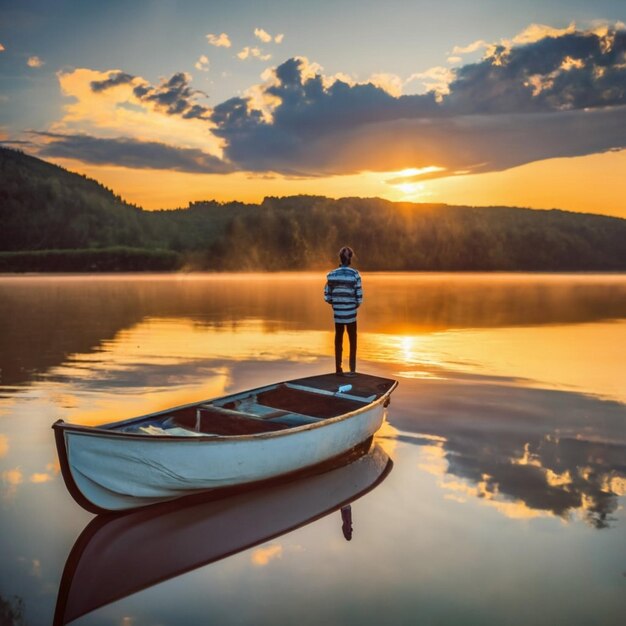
507	434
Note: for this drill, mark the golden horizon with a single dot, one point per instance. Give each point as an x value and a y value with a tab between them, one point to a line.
551	184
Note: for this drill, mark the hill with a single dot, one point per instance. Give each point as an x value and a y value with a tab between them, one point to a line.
53	219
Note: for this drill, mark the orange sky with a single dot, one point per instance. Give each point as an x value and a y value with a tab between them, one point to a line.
593	184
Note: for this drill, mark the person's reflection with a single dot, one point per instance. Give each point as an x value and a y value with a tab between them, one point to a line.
346	518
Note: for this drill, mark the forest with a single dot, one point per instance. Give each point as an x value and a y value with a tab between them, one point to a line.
54	220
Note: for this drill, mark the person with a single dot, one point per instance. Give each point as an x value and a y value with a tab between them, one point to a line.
344	292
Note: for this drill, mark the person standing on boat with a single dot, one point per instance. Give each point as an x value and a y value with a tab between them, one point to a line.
344	292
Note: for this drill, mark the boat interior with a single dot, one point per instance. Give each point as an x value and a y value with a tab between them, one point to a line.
272	408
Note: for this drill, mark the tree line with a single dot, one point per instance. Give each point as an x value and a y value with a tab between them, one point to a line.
45	210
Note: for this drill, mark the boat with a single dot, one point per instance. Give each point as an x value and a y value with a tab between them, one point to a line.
155	544
236	440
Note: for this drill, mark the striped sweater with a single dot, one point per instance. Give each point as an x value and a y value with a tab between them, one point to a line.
343	290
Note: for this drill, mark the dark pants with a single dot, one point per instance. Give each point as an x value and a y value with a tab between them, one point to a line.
351	328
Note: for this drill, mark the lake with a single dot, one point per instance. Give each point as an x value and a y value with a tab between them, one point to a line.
493	494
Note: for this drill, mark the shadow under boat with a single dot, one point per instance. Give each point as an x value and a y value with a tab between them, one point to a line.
159	543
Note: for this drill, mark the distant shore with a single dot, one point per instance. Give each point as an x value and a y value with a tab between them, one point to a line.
124	260
115	259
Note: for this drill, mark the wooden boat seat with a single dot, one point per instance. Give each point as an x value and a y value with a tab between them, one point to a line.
363	385
295	419
287	398
278	417
219	421
253	410
335	394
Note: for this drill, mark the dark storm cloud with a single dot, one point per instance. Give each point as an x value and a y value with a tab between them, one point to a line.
131	153
559	96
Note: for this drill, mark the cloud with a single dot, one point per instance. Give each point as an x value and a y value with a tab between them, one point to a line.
4	443
413	174
2	48
173	95
114	79
202	63
263	35
531	34
560	95
536	32
219	41
34	61
131	153
117	111
249	52
307	113
391	83
574	71
436	79
472	47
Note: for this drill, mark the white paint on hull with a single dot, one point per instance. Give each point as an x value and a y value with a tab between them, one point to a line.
118	472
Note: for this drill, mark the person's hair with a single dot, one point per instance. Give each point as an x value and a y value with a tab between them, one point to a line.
345	255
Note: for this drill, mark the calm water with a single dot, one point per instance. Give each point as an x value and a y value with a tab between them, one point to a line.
503	503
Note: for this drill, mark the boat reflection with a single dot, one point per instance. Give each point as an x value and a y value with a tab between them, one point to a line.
115	557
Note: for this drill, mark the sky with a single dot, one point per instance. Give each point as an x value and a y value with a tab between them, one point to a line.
519	103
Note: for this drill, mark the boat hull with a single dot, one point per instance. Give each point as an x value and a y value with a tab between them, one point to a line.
112	471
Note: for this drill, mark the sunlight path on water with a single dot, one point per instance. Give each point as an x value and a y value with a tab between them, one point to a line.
551	357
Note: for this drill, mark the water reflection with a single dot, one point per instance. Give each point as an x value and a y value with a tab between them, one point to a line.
154	545
11	611
578	357
346	522
525	452
44	321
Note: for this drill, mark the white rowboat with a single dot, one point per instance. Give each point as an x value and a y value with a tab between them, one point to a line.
235	440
